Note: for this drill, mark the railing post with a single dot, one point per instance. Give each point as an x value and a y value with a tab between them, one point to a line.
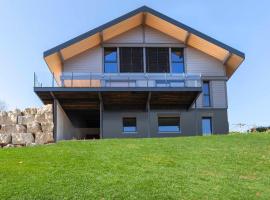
147	81
34	79
166	81
90	79
128	80
71	79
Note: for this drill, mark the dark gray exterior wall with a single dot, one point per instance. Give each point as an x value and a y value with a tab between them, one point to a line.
147	125
113	128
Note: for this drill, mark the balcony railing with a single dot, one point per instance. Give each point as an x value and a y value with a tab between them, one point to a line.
74	79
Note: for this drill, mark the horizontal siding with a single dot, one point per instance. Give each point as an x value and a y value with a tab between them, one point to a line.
219	94
133	36
154	36
136	35
199	62
89	61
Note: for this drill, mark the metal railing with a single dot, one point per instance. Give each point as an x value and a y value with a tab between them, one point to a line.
75	79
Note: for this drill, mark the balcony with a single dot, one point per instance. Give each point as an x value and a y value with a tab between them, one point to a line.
118	80
86	91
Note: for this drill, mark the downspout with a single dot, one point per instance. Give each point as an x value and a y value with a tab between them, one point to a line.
148	114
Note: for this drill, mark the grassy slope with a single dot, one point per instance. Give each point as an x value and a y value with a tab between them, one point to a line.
215	167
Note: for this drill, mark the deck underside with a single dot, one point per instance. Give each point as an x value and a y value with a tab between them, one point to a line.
82	105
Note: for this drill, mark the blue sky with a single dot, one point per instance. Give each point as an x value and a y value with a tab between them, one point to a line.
27	28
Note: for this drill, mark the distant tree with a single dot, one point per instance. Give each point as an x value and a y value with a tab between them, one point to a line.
260	129
3	106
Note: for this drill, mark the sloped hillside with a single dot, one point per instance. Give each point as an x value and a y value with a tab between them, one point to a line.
215	167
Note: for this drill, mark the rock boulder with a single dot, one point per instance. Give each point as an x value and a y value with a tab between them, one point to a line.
44	138
47	127
40	118
30	111
14	128
33	127
8	146
22	138
8	118
27	119
5	138
45	109
27	127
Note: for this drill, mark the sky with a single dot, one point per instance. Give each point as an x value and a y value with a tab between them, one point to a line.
29	27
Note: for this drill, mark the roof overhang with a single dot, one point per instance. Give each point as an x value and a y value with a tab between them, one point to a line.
229	56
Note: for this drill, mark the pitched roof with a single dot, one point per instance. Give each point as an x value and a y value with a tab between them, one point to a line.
230	56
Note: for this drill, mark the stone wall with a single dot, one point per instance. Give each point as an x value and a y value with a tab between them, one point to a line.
26	128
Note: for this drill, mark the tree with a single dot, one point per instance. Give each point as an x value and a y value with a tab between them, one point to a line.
3	106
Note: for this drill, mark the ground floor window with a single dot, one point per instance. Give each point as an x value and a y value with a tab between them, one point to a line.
129	125
206	125
169	124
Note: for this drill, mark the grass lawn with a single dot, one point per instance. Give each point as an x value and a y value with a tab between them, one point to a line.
215	167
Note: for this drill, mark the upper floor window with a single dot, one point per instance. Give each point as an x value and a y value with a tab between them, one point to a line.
177	60
110	60
131	59
157	60
206	94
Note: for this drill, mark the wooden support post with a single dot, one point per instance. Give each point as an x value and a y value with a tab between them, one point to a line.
226	58
187	38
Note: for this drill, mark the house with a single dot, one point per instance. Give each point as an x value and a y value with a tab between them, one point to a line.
140	75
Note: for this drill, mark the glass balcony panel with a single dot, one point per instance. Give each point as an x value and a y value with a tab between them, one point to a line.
84	79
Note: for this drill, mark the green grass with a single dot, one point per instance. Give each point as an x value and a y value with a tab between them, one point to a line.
215	167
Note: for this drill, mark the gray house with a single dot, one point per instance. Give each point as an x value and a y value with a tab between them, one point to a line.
140	75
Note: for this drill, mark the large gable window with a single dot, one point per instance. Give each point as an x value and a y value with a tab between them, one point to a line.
157	60
177	60
110	60
131	59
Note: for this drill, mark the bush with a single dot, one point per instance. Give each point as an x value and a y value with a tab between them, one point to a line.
260	129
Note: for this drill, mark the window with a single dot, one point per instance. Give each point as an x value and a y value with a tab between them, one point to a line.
168	124
206	94
177	59
157	60
129	124
206	125
110	60
131	59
